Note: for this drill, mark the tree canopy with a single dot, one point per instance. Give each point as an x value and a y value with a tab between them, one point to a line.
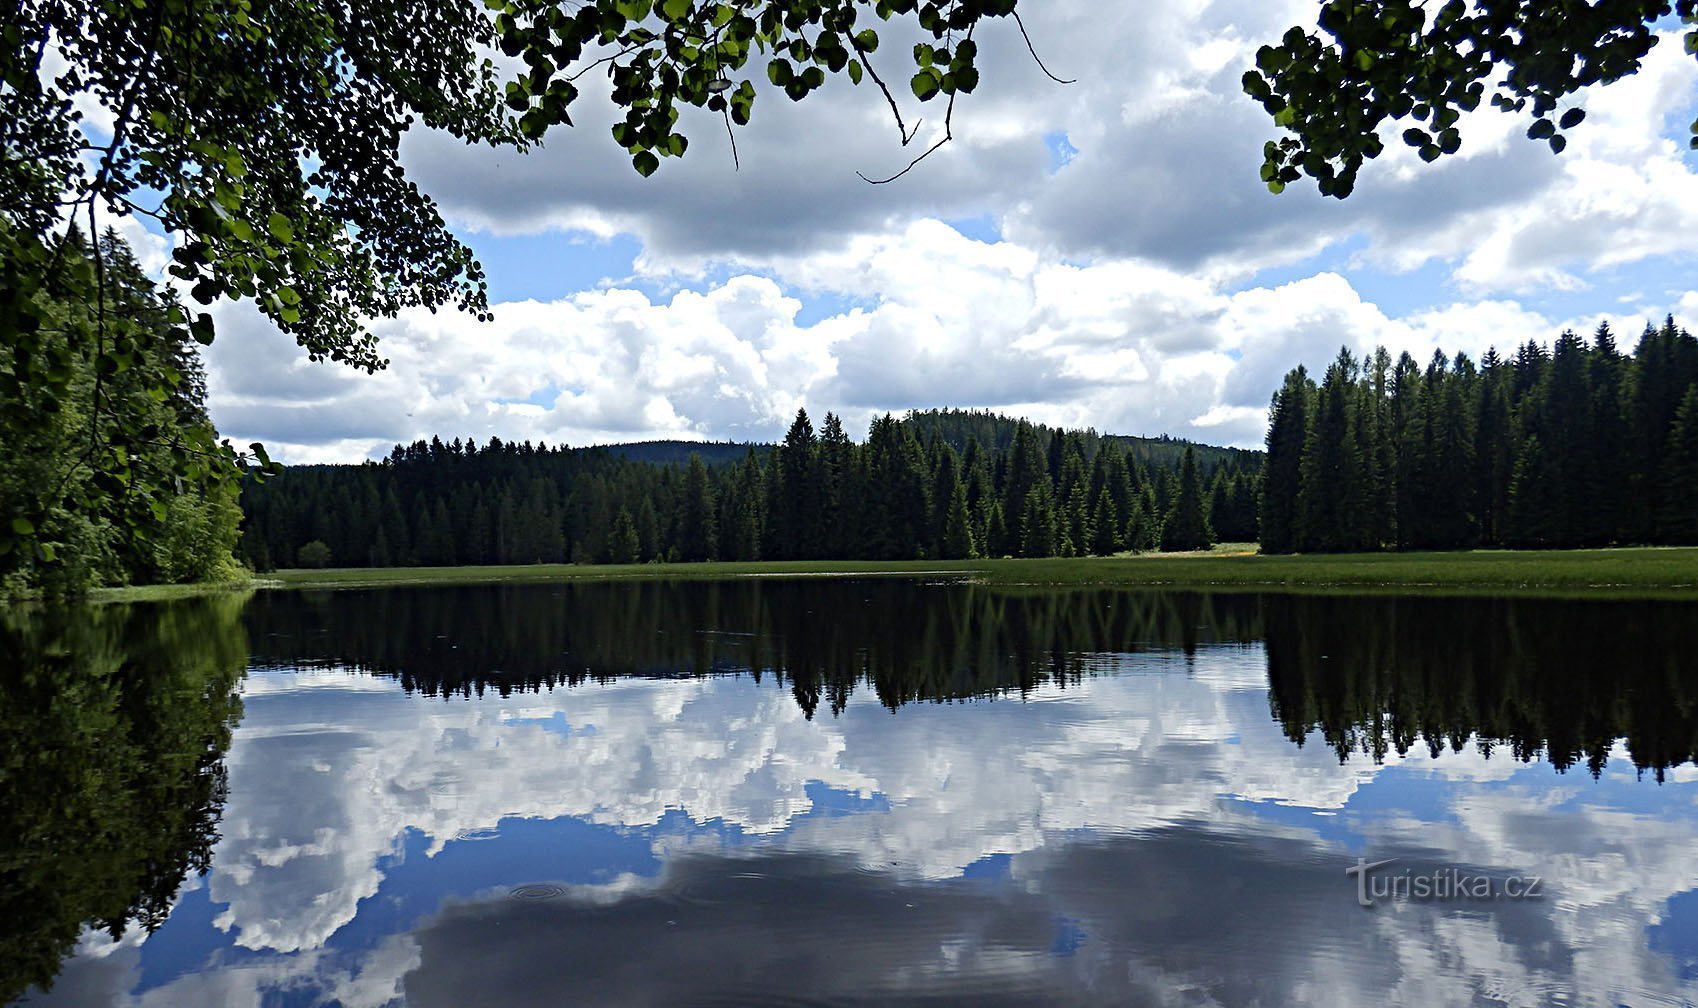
1373	62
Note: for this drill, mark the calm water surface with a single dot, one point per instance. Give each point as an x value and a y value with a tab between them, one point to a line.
847	792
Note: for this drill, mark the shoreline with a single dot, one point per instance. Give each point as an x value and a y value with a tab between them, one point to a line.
1665	572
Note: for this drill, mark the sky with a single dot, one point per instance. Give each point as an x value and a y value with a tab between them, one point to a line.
1098	254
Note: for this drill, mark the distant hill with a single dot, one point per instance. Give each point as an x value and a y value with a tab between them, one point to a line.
713	453
993	430
955	427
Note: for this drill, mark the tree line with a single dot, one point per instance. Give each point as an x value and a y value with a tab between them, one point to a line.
1579	445
904	493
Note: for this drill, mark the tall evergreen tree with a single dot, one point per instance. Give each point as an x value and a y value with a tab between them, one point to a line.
1039	535
958	541
1282	474
622	542
1332	501
697	532
1187	527
1677	515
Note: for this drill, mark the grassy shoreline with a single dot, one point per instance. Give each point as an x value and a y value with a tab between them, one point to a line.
1651	572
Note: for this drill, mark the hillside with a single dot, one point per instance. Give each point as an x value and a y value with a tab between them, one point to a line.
993	430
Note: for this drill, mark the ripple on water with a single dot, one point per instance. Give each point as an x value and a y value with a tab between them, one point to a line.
537	891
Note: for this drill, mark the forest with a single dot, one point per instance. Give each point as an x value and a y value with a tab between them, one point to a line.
946	484
1579	445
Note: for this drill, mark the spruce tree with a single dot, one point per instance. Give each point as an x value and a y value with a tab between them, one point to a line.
1677	517
1038	533
1187	527
697	534
958	528
1105	520
622	541
1288	431
1333	511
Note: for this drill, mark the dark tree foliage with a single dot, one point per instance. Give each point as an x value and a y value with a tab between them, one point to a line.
1511	678
1282	479
114	722
959	428
1579	446
906	642
70	525
1375	62
811	498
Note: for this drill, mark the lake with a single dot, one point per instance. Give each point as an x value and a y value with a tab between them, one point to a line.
840	791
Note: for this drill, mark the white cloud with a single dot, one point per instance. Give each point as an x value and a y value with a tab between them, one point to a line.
1121	298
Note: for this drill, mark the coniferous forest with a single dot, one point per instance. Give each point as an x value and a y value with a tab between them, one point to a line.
1576	446
933	485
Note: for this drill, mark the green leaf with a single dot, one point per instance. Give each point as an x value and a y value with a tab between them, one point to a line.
23	526
674	10
645	162
280	228
925	83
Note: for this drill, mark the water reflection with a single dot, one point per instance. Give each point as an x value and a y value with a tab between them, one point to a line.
823	639
558	807
1563	679
113	727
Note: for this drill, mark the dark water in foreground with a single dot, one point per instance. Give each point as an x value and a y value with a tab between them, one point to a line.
847	792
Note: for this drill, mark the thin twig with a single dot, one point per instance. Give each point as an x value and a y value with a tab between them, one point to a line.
1033	50
948	135
895	110
604	59
731	134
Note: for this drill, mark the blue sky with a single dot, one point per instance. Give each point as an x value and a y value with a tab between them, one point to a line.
1096	254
